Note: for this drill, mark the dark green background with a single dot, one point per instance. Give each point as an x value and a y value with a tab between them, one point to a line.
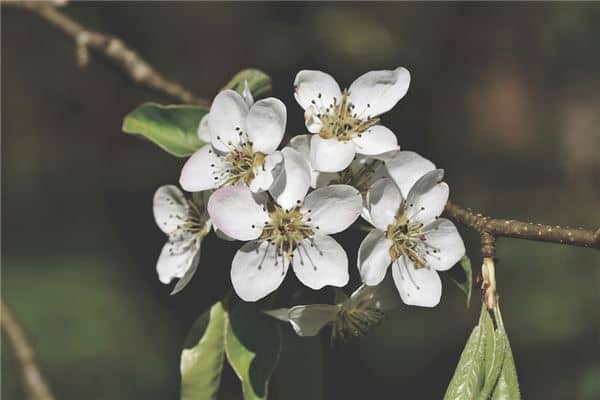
505	97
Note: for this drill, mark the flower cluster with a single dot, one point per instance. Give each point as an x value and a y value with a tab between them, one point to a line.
285	203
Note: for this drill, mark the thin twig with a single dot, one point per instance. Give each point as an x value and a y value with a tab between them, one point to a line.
112	48
523	230
32	377
143	73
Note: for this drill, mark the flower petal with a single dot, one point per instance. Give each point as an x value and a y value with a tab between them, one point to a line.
406	167
330	155
417	287
320	261
170	208
316	88
265	175
374	257
265	124
332	209
427	198
257	270
377	92
310	319
444	244
291	185
302	144
312	119
247	94
188	275
383	200
203	131
235	211
202	171
376	140
176	258
227	118
383	296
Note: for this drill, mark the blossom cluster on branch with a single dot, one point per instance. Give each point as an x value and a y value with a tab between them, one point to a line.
286	203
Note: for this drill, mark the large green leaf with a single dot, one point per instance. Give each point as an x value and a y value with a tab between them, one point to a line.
470	372
172	128
252	345
259	83
202	356
495	352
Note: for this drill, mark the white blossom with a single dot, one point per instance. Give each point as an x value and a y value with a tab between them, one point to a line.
186	223
353	316
346	123
411	237
243	136
293	228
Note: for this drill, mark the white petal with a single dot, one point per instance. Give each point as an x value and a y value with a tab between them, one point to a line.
332	209
176	258
330	155
417	287
257	270
312	119
316	88
320	261
203	131
235	211
302	144
170	208
444	244
247	94
427	198
406	167
384	200
309	320
291	185
227	118
201	169
265	175
265	124
374	257
377	92
376	140
189	274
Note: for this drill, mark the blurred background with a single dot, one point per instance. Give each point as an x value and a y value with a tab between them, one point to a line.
505	97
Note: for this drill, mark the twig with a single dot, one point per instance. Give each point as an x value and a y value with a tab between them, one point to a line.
112	48
523	230
32	377
143	73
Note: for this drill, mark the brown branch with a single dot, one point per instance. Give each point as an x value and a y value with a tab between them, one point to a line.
112	48
32	377
523	230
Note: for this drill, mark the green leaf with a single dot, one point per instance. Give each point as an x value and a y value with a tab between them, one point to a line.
495	351
252	345
507	387
202	356
259	83
467	285
172	128
470	372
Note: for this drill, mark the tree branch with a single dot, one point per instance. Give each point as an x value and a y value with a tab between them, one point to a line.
32	377
523	230
143	73
112	48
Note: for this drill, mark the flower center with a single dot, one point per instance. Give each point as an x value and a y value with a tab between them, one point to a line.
286	229
240	163
406	237
342	122
195	223
356	321
360	179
